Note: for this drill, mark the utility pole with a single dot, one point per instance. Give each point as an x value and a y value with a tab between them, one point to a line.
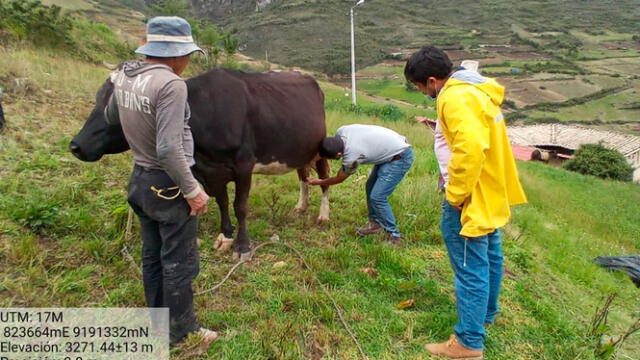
353	54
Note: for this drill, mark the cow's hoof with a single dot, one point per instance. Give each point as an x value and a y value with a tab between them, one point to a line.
322	220
222	243
299	210
242	257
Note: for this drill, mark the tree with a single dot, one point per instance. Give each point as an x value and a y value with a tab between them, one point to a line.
209	39
229	44
597	160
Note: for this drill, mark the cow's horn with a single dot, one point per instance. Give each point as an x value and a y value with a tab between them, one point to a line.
109	66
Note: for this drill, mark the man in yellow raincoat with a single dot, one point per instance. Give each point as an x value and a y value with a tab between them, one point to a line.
480	186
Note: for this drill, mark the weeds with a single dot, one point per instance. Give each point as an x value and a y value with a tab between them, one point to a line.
606	347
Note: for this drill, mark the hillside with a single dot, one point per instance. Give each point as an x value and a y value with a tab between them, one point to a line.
312	34
561	61
62	242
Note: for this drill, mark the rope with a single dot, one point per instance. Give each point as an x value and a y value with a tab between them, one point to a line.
127	239
159	192
315	278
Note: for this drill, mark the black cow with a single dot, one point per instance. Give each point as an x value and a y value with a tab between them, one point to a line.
242	123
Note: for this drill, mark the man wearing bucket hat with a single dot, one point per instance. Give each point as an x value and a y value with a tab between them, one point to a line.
150	102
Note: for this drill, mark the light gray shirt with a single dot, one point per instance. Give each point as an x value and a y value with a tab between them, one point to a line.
151	105
369	144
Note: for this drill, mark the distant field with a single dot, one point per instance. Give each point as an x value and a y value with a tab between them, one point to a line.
394	89
607	109
382	69
530	87
623	66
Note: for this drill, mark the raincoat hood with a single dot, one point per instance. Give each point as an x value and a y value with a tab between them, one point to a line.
488	86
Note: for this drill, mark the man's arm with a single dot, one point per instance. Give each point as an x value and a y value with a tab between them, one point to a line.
170	111
470	139
339	178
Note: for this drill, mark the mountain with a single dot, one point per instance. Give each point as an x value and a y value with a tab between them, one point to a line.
315	33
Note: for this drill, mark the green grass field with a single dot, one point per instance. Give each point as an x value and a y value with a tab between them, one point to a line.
611	108
62	237
393	89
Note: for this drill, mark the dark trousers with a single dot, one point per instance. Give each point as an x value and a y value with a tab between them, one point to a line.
170	258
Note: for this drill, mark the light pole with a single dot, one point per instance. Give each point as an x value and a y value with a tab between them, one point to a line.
353	55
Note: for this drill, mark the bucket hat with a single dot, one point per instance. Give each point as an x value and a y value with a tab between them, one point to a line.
168	36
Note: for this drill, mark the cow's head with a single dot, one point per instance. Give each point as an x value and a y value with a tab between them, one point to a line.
97	138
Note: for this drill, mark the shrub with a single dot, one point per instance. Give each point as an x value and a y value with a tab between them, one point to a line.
47	26
390	112
597	160
35	213
387	112
39	24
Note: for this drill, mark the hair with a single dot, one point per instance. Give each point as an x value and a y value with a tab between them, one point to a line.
331	146
425	63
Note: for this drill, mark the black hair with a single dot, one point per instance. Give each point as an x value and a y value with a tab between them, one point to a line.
331	146
425	63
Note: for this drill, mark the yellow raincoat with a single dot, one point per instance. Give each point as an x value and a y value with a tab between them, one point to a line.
482	171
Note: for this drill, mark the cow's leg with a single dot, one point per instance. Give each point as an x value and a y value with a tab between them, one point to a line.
241	246
225	239
322	167
303	201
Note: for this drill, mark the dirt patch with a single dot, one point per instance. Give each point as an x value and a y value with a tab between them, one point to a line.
621	45
456	55
523	55
525	93
391	62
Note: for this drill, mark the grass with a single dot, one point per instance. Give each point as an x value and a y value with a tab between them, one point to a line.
62	222
393	89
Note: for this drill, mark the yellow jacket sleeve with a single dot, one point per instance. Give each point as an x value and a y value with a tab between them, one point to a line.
470	138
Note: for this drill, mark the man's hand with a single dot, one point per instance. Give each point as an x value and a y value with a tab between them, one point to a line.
426	121
422	120
198	204
459	207
314	181
329	181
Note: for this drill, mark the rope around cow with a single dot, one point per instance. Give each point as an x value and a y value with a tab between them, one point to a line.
363	355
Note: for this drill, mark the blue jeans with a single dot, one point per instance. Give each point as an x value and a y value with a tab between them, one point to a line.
383	180
477	267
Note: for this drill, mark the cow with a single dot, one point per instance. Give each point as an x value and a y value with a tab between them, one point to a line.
242	123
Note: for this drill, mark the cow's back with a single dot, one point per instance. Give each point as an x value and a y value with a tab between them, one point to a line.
277	116
288	121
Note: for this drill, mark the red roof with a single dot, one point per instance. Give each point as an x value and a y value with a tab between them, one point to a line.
522	152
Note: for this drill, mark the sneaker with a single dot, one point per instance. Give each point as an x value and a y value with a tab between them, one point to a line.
452	349
371	228
393	240
202	340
